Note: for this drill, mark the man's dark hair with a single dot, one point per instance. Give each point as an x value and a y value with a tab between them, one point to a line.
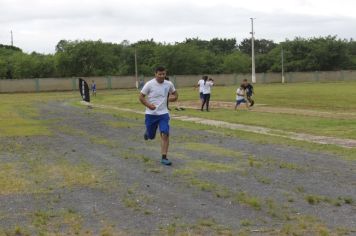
245	80
160	68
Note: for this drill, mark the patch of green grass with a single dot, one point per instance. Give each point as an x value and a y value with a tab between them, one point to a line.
346	153
37	176
289	166
103	141
52	221
245	223
72	131
188	175
136	200
212	149
202	166
263	179
316	199
247	199
206	226
307	225
15	231
253	162
131	203
20	116
12	179
20	119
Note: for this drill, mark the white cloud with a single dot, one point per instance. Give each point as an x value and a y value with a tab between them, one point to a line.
39	24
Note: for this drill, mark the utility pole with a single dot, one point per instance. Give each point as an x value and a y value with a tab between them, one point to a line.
12	39
253	52
282	56
136	71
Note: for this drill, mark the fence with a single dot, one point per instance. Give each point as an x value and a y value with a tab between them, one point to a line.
123	82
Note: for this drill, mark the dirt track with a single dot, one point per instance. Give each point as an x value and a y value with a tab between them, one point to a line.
342	142
278	110
189	192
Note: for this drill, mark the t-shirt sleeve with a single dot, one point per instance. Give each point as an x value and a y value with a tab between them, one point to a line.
172	89
146	89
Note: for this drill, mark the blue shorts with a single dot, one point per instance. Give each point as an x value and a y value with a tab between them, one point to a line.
201	95
238	102
154	121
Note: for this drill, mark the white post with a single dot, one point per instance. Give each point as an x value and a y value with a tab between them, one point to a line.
282	65
12	39
253	52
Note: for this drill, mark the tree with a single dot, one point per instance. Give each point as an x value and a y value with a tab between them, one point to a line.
262	46
237	62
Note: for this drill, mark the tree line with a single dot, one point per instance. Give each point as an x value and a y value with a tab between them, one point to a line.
192	56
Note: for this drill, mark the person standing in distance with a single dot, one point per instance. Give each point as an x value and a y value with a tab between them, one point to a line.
93	88
207	84
200	85
154	97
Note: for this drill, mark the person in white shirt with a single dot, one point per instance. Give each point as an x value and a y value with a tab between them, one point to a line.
207	84
241	96
153	96
200	85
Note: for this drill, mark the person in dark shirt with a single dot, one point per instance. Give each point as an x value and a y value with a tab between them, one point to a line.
249	92
93	88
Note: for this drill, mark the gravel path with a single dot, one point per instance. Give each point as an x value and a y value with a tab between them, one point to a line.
237	186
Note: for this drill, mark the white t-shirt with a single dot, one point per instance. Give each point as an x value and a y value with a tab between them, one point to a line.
207	87
201	84
240	94
157	95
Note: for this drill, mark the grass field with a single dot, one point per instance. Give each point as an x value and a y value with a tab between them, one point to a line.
66	169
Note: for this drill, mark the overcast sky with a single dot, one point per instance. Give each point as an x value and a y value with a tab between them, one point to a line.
39	24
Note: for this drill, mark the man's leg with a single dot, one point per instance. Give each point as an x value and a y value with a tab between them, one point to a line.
164	144
207	102
203	103
151	126
247	106
164	129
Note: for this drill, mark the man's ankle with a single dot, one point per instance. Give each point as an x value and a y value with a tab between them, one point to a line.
164	156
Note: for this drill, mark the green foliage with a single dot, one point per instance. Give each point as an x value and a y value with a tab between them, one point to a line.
236	62
192	56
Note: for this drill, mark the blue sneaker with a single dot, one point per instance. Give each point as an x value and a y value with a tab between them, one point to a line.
166	162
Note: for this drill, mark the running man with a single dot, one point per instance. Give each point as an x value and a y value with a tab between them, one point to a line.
154	97
249	92
93	88
241	96
207	84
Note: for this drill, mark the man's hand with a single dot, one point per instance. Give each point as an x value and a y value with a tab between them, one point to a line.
145	103
173	97
151	107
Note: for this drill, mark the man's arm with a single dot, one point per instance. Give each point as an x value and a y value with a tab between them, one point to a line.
143	100
174	96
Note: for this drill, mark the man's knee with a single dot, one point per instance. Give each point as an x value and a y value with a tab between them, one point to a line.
164	135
